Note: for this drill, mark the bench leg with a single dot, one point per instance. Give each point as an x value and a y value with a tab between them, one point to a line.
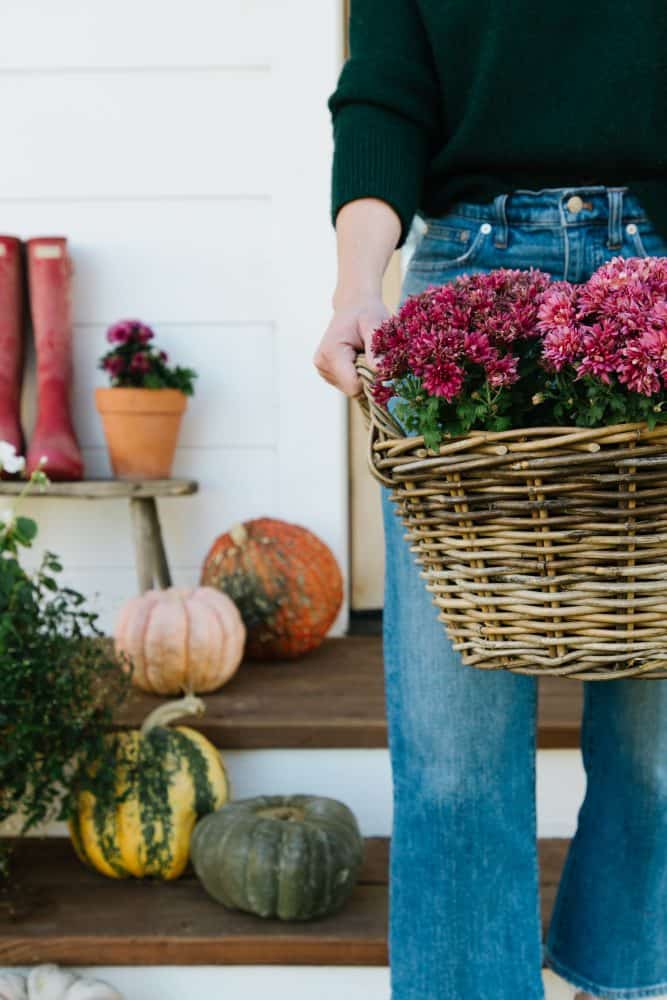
160	563
152	565
143	549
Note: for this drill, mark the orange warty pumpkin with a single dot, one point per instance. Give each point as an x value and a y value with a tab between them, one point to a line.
180	640
285	582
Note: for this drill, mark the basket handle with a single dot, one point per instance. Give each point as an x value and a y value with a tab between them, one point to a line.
381	424
373	411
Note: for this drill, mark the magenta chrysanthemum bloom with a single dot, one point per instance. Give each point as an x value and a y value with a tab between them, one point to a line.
557	309
477	347
120	332
129	329
468	341
561	346
114	365
443	379
654	345
599	348
140	364
460	330
143	333
502	372
382	392
614	325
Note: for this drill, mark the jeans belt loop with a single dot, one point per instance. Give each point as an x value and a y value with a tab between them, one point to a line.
615	239
500	212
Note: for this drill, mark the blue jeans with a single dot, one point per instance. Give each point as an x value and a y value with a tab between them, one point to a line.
464	886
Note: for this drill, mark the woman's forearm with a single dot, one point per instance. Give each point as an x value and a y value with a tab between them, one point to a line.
367	232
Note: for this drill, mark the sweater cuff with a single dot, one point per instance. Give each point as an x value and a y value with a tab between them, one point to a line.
378	154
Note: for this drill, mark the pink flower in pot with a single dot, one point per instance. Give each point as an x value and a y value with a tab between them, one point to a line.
142	410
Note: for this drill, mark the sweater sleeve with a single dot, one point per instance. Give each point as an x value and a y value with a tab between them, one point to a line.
385	109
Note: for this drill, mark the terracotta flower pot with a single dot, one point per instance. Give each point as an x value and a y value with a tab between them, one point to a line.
141	428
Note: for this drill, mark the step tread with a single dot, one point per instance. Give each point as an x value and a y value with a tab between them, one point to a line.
334	697
72	915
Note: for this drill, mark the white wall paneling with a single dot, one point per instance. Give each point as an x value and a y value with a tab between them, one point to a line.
235	483
136	34
181	260
153	134
312	440
185	152
362	779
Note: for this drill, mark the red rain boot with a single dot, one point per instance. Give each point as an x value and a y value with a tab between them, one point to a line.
49	271
11	341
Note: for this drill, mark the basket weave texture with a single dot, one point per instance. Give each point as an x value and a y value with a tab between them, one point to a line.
545	549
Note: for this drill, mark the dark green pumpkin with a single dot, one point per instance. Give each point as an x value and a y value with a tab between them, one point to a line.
295	857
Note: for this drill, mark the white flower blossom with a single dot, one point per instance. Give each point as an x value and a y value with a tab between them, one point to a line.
9	460
6	517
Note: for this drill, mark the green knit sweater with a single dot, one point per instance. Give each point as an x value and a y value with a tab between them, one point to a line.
449	100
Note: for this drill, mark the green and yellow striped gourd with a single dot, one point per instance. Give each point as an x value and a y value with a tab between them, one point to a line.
165	780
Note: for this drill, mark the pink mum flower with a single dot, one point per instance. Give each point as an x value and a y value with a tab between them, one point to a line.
114	365
477	348
444	379
557	309
654	344
502	372
120	332
600	351
129	329
140	363
561	346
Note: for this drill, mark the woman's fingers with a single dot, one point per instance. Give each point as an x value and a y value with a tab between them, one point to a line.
349	333
335	363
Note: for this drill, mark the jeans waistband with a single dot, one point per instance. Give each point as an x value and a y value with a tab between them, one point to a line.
557	207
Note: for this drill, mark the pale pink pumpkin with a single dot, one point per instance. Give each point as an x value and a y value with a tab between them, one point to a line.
181	640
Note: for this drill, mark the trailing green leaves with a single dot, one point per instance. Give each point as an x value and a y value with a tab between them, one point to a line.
60	686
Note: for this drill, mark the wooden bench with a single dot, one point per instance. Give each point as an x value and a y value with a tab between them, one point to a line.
150	554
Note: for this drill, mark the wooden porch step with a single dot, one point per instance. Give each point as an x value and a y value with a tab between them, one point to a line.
67	913
333	697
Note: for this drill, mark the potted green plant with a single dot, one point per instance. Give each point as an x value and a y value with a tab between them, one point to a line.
142	410
60	684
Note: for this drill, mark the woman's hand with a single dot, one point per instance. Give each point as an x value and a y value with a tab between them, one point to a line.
368	230
349	333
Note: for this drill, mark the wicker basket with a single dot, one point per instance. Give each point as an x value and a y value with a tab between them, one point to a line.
545	548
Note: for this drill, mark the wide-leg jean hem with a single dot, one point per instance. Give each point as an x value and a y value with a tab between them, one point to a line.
597	989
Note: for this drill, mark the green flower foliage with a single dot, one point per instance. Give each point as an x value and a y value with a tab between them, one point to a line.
60	687
482	407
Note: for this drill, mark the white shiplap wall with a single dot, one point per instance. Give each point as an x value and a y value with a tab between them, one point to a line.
184	149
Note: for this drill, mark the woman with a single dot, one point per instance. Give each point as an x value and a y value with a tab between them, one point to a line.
525	135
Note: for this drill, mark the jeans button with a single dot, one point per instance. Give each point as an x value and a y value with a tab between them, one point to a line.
486	228
631	229
574	204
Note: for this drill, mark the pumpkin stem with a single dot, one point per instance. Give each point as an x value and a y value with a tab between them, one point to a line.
238	534
163	715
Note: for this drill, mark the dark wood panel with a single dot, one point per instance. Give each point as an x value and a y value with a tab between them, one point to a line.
559	719
59	911
333	698
67	913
